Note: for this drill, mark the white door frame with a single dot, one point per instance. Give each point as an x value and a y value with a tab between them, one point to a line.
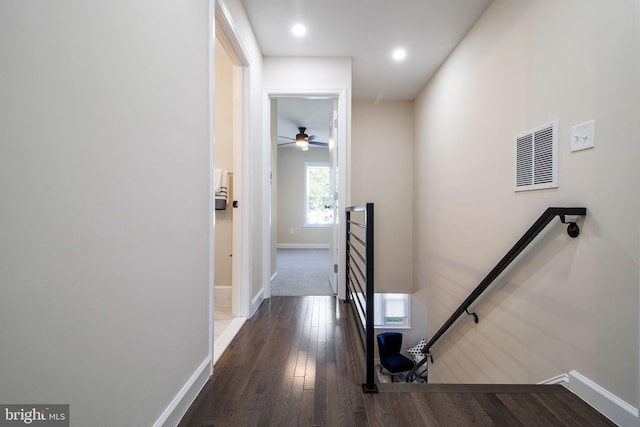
225	31
343	145
334	152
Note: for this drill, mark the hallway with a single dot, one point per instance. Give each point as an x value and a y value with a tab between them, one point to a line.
295	363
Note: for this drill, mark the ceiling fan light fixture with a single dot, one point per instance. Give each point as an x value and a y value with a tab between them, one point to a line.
302	139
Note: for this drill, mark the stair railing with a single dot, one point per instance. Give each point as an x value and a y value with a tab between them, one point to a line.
359	281
567	216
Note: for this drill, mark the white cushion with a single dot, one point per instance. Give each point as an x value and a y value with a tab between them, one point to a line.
416	352
418	355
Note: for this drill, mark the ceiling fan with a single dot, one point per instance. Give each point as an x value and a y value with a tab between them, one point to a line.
303	140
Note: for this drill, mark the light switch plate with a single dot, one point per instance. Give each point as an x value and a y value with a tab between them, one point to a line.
583	136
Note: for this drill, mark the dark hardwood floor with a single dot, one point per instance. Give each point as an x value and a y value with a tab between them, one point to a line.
297	363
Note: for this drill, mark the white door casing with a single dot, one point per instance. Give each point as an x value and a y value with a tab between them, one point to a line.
334	247
225	32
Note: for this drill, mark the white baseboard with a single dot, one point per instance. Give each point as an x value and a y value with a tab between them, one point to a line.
608	404
605	402
562	379
302	246
257	300
185	397
225	338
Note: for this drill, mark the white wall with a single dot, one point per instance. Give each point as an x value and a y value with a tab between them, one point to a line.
566	304
291	193
382	173
307	73
104	224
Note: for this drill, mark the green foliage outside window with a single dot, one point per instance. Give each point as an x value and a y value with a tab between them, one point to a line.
318	195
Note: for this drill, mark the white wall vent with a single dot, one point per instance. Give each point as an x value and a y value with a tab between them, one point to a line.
536	158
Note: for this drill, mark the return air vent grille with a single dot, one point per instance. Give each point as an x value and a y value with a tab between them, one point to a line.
536	158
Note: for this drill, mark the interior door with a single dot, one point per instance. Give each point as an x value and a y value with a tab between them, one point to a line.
335	209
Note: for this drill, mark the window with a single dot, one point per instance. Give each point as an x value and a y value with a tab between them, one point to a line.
317	195
391	310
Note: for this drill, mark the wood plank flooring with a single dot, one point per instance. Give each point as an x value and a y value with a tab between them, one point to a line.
297	362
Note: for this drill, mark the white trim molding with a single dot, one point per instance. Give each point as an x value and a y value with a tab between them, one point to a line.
602	400
344	153
172	415
562	379
228	35
302	246
610	405
257	300
224	340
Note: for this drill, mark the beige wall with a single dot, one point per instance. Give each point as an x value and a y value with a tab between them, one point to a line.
290	184
382	158
223	160
104	182
566	304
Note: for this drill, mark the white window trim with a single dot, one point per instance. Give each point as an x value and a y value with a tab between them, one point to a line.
379	311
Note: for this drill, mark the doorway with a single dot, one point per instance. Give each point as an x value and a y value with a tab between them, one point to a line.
230	293
315	115
302	185
224	194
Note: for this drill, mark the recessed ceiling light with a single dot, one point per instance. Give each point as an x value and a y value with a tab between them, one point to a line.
299	30
399	54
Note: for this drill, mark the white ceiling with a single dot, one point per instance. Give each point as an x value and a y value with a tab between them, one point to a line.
368	31
312	113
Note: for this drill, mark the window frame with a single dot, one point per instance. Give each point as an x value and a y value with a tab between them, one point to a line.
380	306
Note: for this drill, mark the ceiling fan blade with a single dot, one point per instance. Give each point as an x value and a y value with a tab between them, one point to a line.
319	143
286	143
286	137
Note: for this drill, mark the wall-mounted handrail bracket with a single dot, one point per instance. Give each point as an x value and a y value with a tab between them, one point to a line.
572	229
475	315
427	354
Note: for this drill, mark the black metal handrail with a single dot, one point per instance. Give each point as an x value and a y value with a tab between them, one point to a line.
567	216
359	280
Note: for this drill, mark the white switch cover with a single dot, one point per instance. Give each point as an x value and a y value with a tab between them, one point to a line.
583	136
